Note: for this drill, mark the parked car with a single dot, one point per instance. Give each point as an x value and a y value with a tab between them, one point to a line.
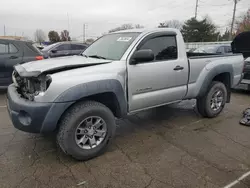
217	49
119	74
241	44
13	52
63	49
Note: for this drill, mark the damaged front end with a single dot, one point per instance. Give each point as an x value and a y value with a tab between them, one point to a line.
30	84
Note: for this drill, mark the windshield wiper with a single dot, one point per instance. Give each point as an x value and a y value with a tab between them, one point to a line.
97	56
84	55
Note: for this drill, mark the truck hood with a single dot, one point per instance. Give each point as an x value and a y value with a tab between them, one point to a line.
241	44
50	66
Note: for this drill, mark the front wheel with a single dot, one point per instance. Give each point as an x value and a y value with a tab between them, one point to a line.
213	102
86	130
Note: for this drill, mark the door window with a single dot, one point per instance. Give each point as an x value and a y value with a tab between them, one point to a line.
63	47
228	49
4	48
78	47
12	49
7	48
220	50
164	47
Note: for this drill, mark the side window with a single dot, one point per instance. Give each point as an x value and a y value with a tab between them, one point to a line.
4	48
12	49
81	47
74	47
63	47
164	47
228	49
7	48
77	47
220	50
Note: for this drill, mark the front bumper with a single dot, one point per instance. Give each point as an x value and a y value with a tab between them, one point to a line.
32	116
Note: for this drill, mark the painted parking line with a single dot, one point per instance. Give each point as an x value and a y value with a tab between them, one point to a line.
238	180
3	106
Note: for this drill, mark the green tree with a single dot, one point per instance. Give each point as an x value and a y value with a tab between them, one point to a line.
126	27
244	23
90	41
138	26
65	36
194	30
225	36
171	24
53	36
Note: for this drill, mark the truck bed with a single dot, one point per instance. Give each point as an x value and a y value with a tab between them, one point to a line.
200	64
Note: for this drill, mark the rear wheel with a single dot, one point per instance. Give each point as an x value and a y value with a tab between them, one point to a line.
86	130
213	102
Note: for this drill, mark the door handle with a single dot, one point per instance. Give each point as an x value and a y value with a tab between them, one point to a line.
13	57
178	67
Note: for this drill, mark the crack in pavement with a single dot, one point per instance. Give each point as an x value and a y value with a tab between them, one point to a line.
7	147
150	182
144	169
202	176
69	169
89	171
193	154
229	138
216	147
224	153
124	153
20	183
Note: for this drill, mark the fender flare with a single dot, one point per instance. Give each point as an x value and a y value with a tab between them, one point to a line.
80	91
218	69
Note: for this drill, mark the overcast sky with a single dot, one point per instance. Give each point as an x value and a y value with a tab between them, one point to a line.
25	16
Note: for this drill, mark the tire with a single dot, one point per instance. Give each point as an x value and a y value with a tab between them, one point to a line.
75	117
204	105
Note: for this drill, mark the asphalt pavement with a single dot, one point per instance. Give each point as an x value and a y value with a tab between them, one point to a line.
167	147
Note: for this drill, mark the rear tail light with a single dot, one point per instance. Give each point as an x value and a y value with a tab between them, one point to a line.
39	57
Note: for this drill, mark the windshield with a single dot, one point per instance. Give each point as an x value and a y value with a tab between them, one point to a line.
47	48
111	46
206	49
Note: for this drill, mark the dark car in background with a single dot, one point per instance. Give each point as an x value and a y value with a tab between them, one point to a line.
241	44
217	49
63	49
14	52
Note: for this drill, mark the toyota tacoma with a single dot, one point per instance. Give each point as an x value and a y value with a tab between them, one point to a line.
122	73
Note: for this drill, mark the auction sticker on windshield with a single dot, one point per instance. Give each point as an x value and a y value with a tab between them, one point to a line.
124	39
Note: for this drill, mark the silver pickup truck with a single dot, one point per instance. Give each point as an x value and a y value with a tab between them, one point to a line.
121	73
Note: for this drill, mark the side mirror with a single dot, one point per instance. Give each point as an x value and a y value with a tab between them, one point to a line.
54	51
142	56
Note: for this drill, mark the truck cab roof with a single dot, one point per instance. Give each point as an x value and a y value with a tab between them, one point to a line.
146	31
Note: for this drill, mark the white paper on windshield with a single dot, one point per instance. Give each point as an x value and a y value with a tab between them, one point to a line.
124	39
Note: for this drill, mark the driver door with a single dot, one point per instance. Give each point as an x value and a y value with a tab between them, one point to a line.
161	81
